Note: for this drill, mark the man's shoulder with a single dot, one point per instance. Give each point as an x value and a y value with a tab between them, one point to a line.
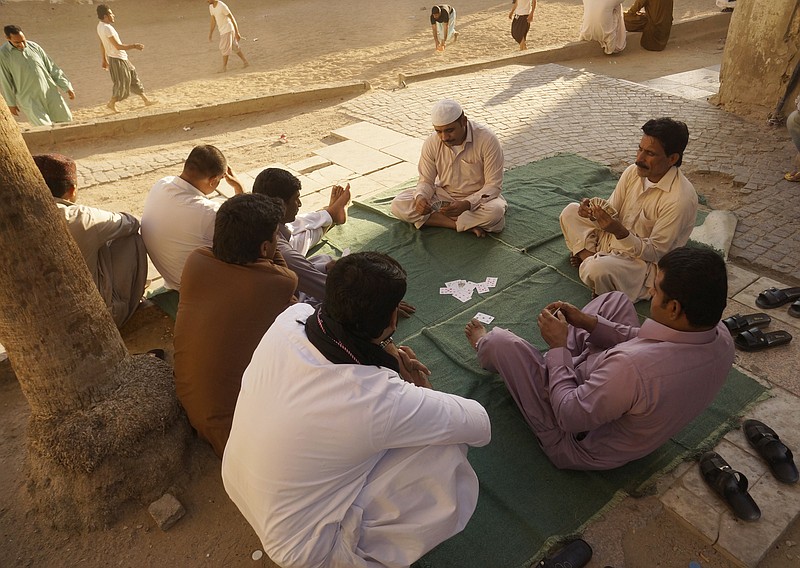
481	132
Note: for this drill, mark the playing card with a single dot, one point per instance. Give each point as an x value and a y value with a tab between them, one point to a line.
491	281
437	205
481	288
463	295
446	290
483	318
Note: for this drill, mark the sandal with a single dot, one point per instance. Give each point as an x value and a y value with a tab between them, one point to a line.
794	309
755	340
738	323
576	554
769	446
730	485
792	176
774	298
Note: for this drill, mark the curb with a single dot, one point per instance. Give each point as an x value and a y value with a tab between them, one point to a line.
688	30
47	136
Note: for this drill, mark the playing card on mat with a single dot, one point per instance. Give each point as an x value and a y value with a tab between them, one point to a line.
483	318
491	281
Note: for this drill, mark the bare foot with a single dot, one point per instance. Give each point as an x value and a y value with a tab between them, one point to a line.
523	45
150	102
478	232
338	209
576	259
223	70
474	331
246	65
112	106
336	191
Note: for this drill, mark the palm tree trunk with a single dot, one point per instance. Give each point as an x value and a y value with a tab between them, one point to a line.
105	427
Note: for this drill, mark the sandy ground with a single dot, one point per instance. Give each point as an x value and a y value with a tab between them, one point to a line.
288	48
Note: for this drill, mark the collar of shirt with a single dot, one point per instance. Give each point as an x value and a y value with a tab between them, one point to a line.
665	183
651	329
456	150
186	186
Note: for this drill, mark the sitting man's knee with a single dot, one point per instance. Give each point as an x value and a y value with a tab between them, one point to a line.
570	211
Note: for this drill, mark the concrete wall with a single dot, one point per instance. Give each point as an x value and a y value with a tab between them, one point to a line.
760	54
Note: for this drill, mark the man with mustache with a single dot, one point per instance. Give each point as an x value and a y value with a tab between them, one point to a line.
653	209
460	177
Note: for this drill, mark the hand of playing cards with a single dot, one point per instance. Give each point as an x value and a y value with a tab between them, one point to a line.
462	289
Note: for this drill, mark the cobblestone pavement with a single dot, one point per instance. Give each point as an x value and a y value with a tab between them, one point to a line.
549	109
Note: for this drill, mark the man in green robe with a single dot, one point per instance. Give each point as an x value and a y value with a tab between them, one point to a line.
29	81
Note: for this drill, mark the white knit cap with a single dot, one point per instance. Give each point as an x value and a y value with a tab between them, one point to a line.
445	112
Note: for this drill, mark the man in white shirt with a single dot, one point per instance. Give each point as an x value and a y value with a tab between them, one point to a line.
222	19
654	208
340	453
521	16
115	60
178	215
460	177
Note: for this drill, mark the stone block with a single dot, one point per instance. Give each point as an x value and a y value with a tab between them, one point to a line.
357	157
166	511
371	135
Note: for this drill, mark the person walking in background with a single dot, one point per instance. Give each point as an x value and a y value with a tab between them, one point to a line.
793	126
443	23
654	19
222	19
603	22
29	81
115	60
521	16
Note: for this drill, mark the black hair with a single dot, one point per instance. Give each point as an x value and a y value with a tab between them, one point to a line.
697	279
275	182
206	160
12	30
242	225
672	134
102	11
363	290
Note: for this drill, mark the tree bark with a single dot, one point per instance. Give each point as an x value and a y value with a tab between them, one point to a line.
761	51
97	413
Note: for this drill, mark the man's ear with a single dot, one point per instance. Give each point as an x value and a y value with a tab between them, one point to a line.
71	194
266	250
673	158
674	309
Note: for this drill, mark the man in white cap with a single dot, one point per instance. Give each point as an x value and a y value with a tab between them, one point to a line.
460	177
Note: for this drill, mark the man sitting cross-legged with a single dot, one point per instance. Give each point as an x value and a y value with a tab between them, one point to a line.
178	214
230	295
616	245
109	242
340	453
610	391
460	177
301	231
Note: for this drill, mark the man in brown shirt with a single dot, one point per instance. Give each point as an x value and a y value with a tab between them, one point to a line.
654	19
230	295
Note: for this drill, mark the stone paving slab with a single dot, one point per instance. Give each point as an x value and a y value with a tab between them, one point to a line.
369	134
310	164
409	150
356	157
673	88
334	174
548	109
395	175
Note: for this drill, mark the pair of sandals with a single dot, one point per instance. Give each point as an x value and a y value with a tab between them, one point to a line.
732	485
749	335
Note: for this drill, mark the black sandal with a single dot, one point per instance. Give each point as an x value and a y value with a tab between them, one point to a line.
769	446
730	485
755	340
738	323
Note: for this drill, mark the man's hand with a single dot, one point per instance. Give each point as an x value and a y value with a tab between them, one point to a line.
422	206
411	369
607	223
234	182
405	309
455	209
138	46
554	328
14	110
104	65
585	209
572	315
71	94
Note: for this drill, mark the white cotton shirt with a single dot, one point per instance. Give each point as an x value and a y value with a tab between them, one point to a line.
106	31
177	219
524	7
307	434
221	13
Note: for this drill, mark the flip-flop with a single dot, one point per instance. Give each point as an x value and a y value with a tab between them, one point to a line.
730	485
775	298
575	554
755	340
775	453
738	323
794	309
792	176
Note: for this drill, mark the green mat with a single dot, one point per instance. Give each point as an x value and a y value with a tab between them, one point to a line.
525	503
